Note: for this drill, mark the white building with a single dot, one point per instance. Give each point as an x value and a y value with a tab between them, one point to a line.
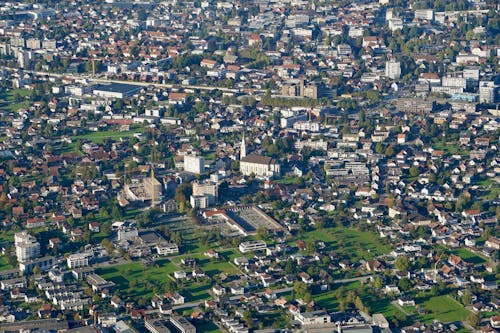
453	81
206	189
424	14
167	248
27	247
310	126
313	318
260	166
23	58
393	69
252	246
487	92
395	24
78	259
194	164
199	201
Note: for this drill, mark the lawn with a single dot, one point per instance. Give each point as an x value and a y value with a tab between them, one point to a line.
329	301
290	181
11	104
352	243
136	273
443	308
209	327
6	236
147	279
4	265
209	266
449	148
100	136
469	256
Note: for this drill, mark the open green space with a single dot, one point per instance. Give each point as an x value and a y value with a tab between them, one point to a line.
211	267
15	100
449	148
6	236
351	243
209	327
4	265
290	181
100	136
443	308
135	280
469	256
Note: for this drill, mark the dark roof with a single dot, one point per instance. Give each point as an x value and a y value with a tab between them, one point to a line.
119	88
259	159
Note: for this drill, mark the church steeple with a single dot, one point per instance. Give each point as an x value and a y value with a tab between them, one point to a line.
243	147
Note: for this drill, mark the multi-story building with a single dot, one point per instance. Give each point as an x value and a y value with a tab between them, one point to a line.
208	189
27	247
199	201
194	164
204	195
454	81
487	92
33	43
393	69
424	14
23	58
78	260
167	248
252	246
182	324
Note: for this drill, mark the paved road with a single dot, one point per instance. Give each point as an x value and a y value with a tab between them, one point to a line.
360	278
396	304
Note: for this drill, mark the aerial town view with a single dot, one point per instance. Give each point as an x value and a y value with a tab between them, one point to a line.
249	166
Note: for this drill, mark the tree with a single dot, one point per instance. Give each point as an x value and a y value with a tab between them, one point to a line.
248	319
466	298
262	233
474	320
414	172
404	284
402	263
389	152
377	283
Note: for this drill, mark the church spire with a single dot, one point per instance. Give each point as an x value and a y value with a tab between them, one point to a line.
243	148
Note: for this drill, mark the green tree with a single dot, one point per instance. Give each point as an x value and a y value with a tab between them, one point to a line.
414	172
474	320
402	263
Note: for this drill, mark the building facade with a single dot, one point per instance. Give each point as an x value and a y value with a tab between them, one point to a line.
260	166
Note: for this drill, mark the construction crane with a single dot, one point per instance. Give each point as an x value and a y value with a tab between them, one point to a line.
153	180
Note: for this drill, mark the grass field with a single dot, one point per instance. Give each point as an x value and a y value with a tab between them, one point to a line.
123	275
211	268
290	181
100	136
147	279
4	265
10	103
469	256
443	308
449	148
209	327
329	301
353	244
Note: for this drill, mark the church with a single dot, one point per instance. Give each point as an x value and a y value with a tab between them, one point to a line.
258	165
